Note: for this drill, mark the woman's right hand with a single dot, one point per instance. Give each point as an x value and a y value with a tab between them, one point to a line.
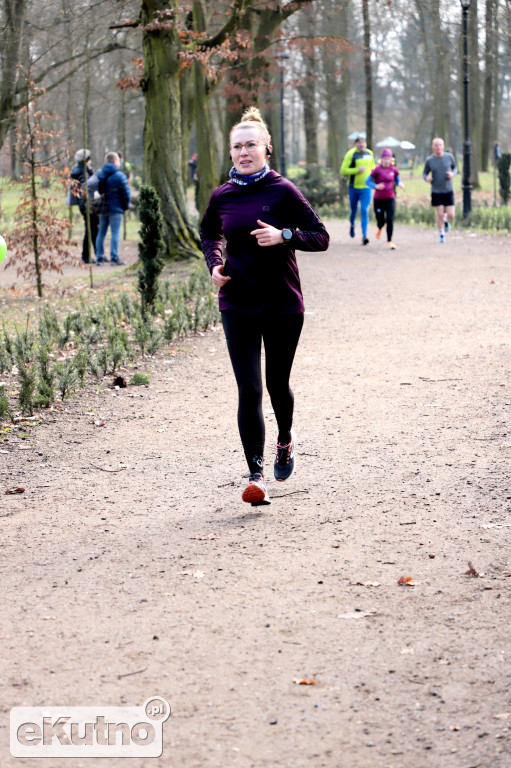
217	277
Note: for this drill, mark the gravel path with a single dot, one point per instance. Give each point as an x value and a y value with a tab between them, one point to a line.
131	568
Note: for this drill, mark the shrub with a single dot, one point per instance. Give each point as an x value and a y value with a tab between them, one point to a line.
139	379
5	408
150	247
27	387
321	186
504	177
66	377
45	385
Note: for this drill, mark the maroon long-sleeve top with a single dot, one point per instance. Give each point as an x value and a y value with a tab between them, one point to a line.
262	278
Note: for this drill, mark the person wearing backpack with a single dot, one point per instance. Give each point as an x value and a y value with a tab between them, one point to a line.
96	206
76	196
114	188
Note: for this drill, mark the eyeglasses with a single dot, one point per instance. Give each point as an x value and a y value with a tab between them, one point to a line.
250	146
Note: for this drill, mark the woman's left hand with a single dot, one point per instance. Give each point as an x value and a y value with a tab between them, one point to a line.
267	235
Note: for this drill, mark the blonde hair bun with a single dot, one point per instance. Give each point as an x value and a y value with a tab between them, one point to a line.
252	115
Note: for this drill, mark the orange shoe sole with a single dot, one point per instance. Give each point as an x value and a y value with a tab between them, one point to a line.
252	494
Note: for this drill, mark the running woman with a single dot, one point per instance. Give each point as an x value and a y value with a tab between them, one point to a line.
264	218
383	180
358	162
439	170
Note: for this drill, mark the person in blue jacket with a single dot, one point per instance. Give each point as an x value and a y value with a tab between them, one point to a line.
114	187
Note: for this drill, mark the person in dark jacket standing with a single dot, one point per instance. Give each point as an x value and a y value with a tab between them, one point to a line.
264	219
114	187
77	197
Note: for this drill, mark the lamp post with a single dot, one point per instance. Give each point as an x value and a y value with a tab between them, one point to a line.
282	139
467	149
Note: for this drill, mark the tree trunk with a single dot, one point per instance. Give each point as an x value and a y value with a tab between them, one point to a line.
207	170
336	72
307	92
15	11
162	131
490	73
474	109
368	73
187	118
440	85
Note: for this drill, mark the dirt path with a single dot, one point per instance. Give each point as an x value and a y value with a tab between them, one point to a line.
131	568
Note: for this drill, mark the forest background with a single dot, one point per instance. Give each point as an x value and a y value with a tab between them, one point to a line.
160	79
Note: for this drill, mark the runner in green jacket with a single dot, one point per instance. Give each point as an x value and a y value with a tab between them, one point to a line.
358	163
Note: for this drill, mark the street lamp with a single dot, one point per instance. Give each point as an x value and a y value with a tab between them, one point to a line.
282	139
467	149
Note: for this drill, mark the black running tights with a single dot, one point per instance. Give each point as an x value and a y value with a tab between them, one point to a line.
280	334
384	211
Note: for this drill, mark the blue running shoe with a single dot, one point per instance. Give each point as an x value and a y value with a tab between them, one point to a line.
285	463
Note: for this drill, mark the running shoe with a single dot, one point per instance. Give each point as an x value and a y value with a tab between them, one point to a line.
365	240
378	234
352	230
447	225
256	492
391	246
285	463
441	238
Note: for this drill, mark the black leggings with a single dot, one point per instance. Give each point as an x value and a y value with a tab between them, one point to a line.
280	334
384	210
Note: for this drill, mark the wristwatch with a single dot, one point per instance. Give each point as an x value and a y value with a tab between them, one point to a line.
287	234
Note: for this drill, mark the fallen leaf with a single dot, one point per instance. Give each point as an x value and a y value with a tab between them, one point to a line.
16	490
368	584
304	681
99	423
502	716
471	570
406	581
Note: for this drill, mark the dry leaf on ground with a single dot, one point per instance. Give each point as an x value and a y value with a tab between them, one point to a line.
406	581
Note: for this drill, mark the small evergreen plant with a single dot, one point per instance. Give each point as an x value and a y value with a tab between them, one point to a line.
504	177
150	248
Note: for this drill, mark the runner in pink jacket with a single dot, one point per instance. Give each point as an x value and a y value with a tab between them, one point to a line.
383	180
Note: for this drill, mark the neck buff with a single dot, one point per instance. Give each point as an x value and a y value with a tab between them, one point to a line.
243	180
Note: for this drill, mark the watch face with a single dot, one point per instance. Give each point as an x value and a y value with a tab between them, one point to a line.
287	234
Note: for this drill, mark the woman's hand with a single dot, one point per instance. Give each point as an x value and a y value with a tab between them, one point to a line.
267	235
401	185
381	185
217	277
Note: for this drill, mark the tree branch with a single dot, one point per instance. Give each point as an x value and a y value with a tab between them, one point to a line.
126	25
232	23
92	55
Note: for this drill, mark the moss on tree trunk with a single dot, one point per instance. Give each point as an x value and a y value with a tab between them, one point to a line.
162	132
